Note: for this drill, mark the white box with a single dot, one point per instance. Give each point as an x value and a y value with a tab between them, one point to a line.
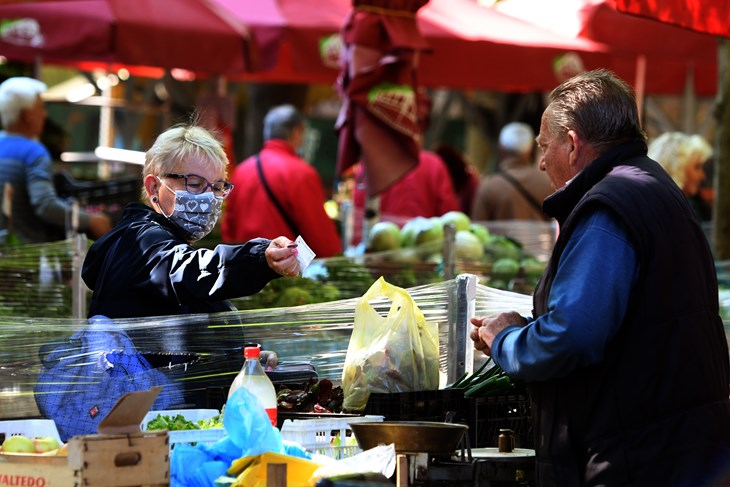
331	437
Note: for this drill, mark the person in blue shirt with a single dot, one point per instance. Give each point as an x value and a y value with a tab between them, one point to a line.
625	354
32	210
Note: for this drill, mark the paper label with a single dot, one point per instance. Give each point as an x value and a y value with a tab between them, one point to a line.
305	255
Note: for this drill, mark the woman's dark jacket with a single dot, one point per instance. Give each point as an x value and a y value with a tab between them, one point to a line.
145	267
656	411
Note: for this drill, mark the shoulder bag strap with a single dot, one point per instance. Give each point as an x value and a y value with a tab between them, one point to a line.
260	169
522	190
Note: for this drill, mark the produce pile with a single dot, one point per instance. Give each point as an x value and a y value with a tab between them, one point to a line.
40	445
487	381
315	397
407	256
498	259
179	423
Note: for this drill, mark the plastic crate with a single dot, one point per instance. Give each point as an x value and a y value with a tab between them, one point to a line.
29	428
426	406
497	412
331	437
210	435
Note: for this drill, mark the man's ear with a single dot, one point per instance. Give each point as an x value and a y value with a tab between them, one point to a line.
576	148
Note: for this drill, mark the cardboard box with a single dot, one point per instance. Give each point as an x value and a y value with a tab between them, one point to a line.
119	456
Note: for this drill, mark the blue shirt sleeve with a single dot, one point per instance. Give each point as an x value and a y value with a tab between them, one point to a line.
586	305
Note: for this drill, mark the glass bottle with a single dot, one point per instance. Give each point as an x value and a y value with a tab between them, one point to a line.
253	378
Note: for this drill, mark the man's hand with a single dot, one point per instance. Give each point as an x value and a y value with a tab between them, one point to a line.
488	327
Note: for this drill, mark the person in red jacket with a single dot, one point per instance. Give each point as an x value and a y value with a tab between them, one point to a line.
425	191
278	193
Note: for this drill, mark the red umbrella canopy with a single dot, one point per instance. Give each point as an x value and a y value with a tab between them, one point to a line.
669	51
466	45
474	46
189	34
707	16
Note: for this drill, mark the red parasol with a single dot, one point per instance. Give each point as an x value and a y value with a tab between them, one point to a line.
469	46
666	52
189	34
710	17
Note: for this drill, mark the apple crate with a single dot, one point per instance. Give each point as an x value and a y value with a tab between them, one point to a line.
29	428
331	437
94	460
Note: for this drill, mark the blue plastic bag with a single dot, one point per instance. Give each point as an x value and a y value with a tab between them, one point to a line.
83	378
249	433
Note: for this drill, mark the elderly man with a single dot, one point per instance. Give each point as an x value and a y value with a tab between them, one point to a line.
626	355
516	190
279	193
25	170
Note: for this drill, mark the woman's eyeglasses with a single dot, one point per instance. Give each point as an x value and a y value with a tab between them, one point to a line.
198	184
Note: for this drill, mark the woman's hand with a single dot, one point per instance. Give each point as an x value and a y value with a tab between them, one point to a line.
281	258
488	327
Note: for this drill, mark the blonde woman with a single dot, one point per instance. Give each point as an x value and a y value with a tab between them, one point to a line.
683	157
147	265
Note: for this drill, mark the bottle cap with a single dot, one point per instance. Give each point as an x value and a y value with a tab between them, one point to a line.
252	352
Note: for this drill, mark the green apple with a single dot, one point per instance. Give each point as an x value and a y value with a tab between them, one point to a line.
18	444
384	236
458	219
45	443
480	231
468	246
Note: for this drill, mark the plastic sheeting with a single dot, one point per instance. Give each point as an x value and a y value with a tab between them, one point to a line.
204	352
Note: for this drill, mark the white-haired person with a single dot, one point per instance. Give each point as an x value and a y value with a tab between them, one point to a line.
36	213
147	265
516	190
683	156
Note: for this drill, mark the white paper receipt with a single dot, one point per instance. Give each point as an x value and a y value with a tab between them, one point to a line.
305	255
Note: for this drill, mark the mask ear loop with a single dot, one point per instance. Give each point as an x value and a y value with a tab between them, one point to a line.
156	200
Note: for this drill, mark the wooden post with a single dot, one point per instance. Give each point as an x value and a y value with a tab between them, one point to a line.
401	470
276	475
721	209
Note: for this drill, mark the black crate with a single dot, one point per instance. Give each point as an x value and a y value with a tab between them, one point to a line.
426	406
497	412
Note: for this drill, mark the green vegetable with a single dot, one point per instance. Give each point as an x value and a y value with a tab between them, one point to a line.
176	423
494	381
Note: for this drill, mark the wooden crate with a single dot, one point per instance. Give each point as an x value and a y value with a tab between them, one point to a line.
95	460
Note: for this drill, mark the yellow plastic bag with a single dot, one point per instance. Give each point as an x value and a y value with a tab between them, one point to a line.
394	353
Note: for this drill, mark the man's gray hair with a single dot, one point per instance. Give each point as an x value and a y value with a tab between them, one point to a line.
599	106
280	121
17	94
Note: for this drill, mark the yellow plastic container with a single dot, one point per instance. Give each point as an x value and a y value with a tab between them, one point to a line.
251	471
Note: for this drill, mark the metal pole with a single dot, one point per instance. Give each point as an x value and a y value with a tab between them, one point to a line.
462	306
78	289
449	251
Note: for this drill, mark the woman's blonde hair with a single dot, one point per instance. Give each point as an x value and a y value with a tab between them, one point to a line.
675	150
182	142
